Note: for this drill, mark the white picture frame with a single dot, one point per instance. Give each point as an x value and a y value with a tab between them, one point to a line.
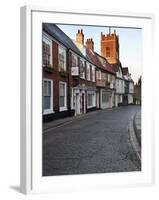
31	102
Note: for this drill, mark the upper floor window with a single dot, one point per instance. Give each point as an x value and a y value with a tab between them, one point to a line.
107	52
108	78
47	51
74	60
82	69
62	58
88	72
93	73
98	75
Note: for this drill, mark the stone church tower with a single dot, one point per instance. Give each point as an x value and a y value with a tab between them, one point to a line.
110	47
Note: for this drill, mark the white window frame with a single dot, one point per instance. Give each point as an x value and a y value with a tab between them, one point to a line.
73	54
99	75
94	100
88	75
83	74
49	40
49	111
63	108
93	73
62	47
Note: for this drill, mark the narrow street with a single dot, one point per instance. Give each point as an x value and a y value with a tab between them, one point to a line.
95	143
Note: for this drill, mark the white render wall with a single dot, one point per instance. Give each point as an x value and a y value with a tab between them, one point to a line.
130	98
120	86
131	87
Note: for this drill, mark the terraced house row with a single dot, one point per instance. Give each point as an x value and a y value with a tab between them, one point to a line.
76	79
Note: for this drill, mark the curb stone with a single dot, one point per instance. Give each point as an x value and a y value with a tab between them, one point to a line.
133	139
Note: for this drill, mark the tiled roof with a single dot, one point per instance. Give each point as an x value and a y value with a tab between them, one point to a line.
93	56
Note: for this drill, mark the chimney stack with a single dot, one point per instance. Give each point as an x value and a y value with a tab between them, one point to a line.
80	37
90	44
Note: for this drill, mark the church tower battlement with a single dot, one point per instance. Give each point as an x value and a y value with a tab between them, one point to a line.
110	47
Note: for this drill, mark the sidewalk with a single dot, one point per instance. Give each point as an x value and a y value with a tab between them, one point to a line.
135	133
137	126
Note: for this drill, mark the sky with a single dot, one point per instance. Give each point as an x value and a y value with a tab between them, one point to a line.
130	44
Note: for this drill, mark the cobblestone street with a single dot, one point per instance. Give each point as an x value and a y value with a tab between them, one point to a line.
97	142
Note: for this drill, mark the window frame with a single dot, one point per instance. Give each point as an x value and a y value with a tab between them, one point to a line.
46	37
99	75
93	73
75	55
63	108
88	67
94	100
50	110
84	73
64	67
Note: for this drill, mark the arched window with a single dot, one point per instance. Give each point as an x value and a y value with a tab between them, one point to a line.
107	52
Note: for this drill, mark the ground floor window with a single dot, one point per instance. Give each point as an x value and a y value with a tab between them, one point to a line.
63	96
91	99
47	96
105	97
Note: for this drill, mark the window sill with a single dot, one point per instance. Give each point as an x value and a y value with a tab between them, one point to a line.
49	69
63	73
46	112
63	109
91	106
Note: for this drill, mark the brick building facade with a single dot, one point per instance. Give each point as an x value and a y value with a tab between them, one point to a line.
76	79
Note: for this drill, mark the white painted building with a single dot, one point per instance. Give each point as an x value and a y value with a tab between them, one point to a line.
129	86
119	85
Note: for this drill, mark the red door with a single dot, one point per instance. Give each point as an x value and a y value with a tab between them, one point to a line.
82	103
